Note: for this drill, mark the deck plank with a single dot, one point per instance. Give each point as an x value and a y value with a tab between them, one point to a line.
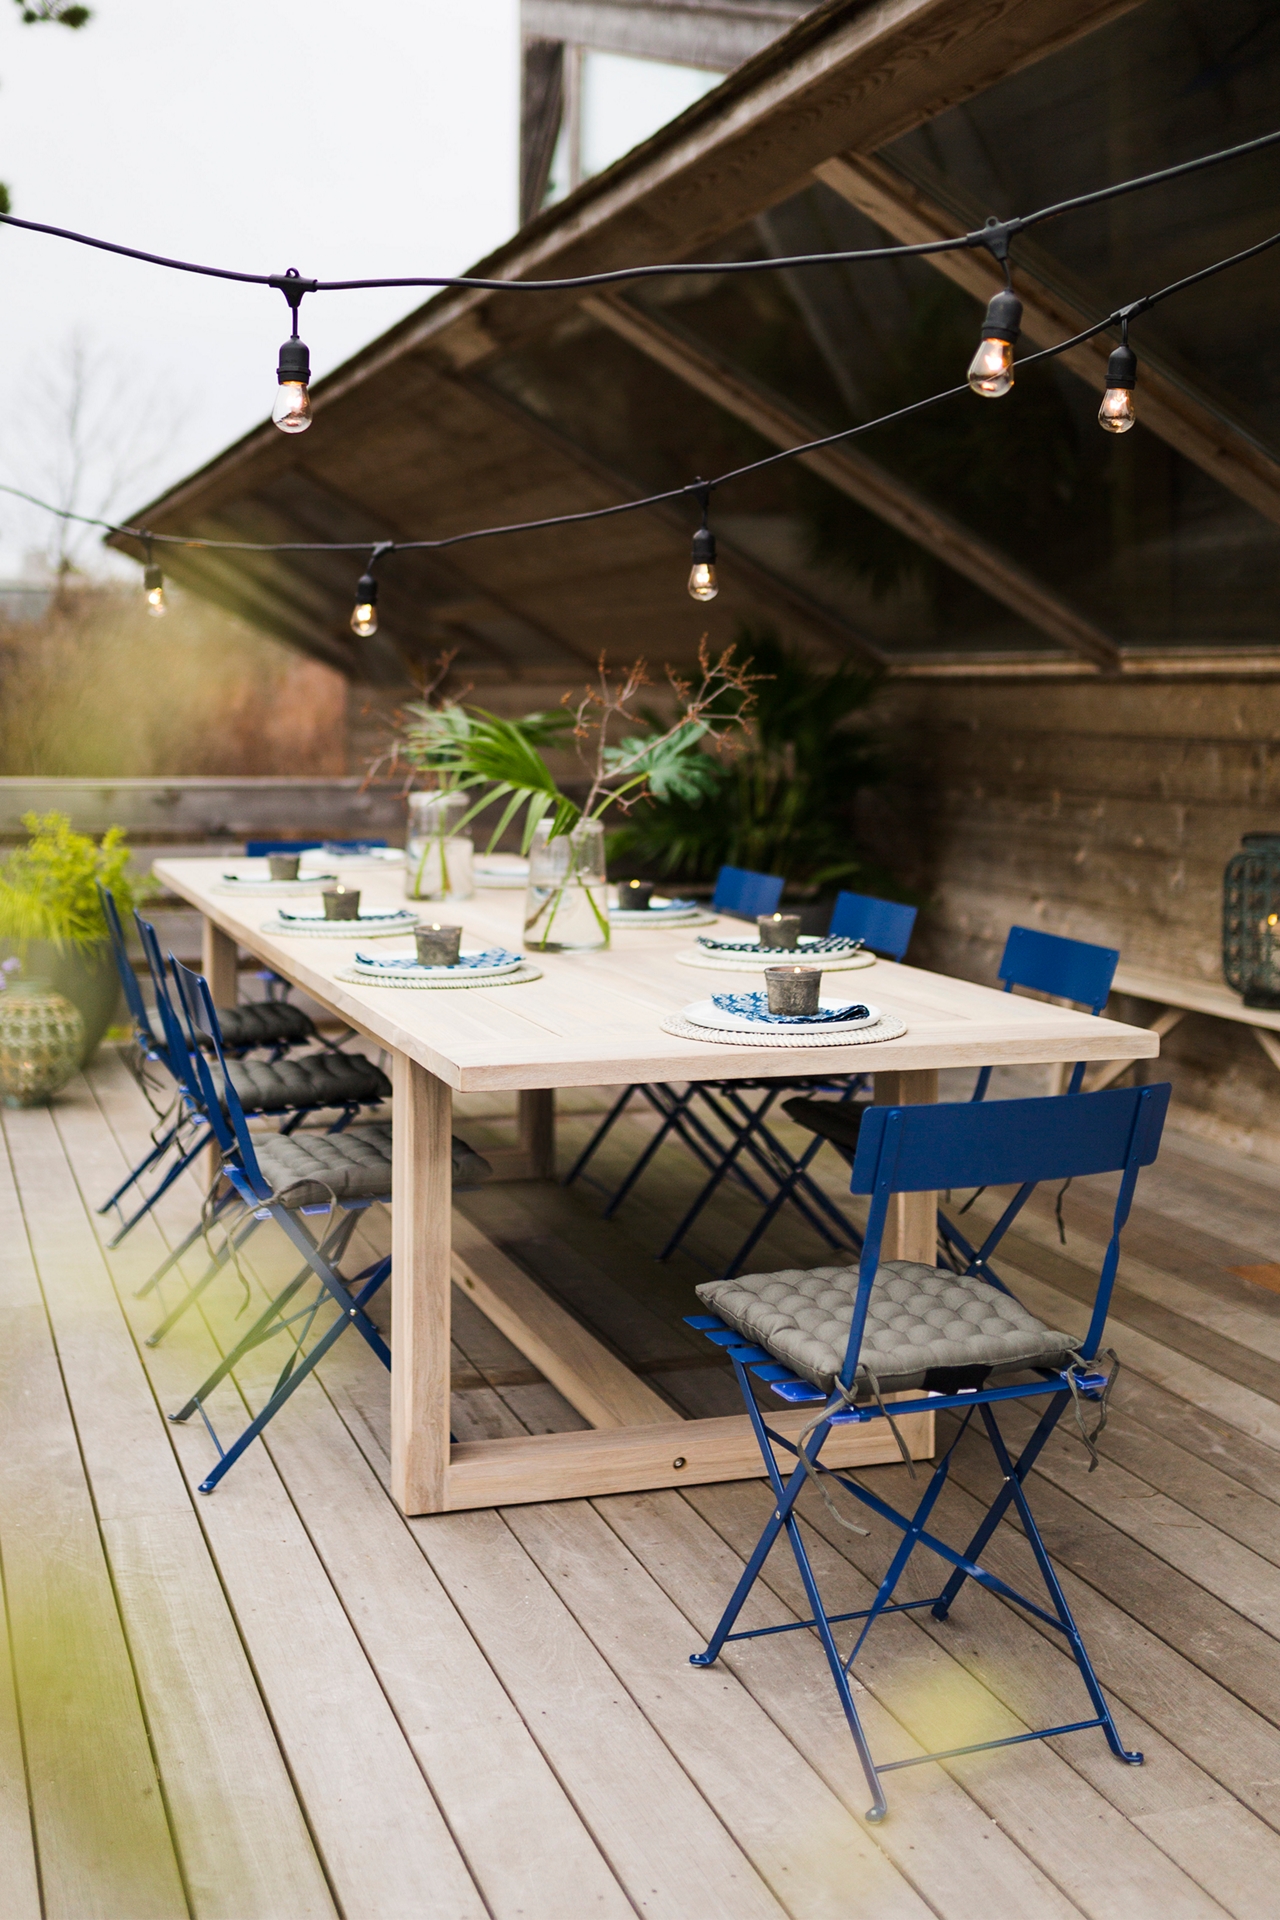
100	1821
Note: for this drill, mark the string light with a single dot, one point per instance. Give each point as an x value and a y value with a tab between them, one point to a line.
991	369
703	584
364	614
153	587
1121	370
292	410
1117	412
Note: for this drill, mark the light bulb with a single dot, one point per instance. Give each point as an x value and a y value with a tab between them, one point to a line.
153	587
703	584
991	369
1117	413
364	614
292	410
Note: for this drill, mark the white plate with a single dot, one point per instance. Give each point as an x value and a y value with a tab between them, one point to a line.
705	1013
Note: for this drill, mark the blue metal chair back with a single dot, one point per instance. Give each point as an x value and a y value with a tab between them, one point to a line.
883	925
259	849
142	1028
220	1098
1067	969
182	1052
1008	1143
744	895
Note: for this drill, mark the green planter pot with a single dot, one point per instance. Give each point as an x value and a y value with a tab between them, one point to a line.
86	976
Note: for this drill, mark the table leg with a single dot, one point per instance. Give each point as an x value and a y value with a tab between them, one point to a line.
911	1231
218	964
421	1236
537	1131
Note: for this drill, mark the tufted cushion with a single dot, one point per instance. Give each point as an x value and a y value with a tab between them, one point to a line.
264	1023
309	1169
921	1320
312	1080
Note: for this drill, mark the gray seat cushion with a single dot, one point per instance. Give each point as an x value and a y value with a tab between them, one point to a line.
921	1322
310	1169
312	1080
264	1023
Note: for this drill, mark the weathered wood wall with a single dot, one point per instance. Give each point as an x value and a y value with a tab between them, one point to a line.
1099	809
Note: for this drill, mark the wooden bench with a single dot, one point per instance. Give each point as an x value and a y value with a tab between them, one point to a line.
1176	999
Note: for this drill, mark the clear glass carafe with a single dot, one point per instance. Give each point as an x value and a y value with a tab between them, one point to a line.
439	855
566	905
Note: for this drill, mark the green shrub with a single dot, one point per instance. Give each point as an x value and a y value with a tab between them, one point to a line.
48	888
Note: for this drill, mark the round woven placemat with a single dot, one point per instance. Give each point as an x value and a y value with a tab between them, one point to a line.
885	1028
339	929
392	979
650	920
739	963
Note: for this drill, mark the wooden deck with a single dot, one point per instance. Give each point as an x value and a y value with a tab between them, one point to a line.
286	1701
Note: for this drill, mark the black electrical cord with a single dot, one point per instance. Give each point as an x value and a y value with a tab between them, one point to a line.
994	236
700	490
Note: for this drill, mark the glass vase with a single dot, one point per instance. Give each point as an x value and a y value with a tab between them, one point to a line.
566	905
41	1041
439	855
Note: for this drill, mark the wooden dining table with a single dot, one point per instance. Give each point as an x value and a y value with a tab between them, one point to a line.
591	1019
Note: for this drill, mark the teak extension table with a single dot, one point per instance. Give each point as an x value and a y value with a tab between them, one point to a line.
592	1020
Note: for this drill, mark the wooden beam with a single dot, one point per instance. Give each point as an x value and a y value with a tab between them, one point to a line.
861	479
421	1218
691	1453
911	1231
852	76
1173	411
593	1380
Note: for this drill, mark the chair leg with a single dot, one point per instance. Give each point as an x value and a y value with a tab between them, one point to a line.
999	1506
161	1147
783	1519
605	1127
179	1166
184	1246
291	1381
232	1246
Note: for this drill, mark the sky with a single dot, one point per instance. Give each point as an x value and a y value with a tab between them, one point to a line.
344	140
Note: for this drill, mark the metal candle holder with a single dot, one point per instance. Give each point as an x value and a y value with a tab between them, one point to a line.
779	930
284	866
438	946
635	895
341	903
793	989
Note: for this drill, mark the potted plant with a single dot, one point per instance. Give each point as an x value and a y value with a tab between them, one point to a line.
498	760
51	920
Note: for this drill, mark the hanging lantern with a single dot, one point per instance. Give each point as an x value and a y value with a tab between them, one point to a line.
1251	920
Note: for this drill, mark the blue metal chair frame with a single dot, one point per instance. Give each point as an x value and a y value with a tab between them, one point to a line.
913	1149
248	1184
886	927
186	1059
187	1132
741	895
259	849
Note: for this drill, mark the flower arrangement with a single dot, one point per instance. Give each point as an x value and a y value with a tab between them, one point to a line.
49	887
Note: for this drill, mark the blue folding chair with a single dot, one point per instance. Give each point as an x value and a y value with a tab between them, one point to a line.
740	894
289	1090
1045	963
181	1128
883	926
284	1178
881	1334
260	849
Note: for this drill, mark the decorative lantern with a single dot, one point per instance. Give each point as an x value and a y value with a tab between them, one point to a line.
1251	920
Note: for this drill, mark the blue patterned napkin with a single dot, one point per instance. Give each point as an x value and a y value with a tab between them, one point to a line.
833	943
366	913
755	1006
494	957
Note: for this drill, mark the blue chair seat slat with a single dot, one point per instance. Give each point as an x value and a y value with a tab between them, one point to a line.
704	1322
724	1337
773	1372
747	1356
797	1392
